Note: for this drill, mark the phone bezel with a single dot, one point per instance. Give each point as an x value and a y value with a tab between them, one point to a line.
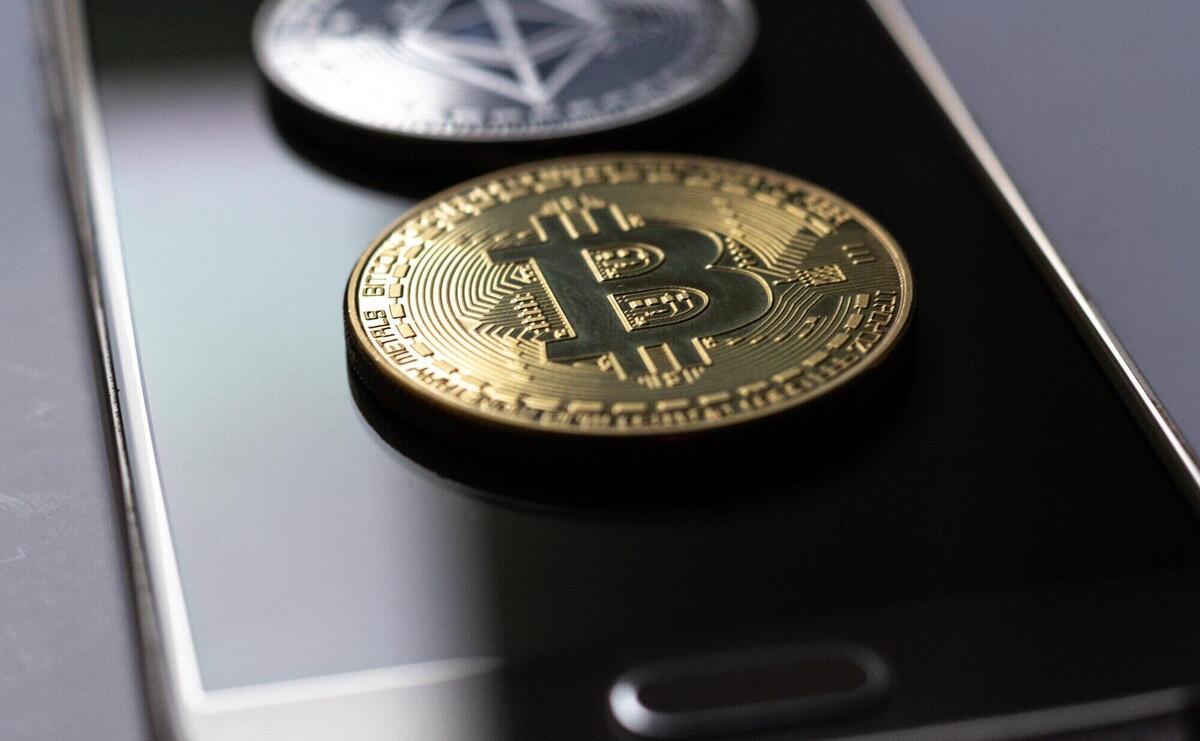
378	701
1109	351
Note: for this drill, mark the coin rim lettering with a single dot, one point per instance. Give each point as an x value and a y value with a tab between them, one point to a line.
365	351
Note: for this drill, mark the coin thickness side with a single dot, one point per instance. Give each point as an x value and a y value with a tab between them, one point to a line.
627	295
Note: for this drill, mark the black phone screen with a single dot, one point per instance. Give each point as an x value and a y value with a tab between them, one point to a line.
308	544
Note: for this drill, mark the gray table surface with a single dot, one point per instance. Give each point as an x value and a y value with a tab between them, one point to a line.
1092	108
68	644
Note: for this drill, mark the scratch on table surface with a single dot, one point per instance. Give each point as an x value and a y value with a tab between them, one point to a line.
14	505
22	505
17	557
19	369
40	409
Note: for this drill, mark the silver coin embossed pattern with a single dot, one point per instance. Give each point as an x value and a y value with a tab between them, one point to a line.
499	70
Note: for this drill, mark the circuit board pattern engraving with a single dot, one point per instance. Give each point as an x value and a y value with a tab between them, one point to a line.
627	294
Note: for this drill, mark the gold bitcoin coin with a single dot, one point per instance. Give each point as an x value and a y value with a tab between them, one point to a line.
626	295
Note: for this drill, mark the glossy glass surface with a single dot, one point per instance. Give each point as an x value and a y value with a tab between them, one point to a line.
308	544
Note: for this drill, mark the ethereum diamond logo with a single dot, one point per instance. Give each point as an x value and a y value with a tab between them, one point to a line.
525	50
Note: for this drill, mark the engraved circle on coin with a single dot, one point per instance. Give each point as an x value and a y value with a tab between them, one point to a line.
499	70
626	294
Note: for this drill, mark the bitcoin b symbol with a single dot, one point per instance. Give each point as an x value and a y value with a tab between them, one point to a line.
627	289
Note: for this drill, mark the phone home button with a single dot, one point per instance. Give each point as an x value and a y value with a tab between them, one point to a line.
747	690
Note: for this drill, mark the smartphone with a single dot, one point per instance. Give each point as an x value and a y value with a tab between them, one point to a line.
1006	547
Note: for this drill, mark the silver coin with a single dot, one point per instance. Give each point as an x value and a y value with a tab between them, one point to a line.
499	70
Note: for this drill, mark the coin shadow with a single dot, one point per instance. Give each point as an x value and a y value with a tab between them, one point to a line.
785	455
407	165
